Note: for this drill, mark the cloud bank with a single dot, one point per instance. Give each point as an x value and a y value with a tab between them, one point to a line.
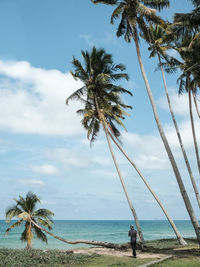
32	100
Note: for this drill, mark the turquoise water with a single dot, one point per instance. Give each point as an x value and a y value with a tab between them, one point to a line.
110	231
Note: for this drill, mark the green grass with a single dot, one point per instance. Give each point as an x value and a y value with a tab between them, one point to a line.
180	262
188	256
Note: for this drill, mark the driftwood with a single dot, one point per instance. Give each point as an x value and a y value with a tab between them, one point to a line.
88	242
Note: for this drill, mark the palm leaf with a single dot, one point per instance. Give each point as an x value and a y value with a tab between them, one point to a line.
40	234
157	4
12	212
18	223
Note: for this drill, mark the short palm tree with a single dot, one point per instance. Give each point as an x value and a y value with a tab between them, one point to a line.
135	16
25	210
102	102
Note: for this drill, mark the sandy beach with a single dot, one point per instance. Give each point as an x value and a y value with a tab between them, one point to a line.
118	253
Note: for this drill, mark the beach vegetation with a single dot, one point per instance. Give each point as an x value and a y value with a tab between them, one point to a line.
25	211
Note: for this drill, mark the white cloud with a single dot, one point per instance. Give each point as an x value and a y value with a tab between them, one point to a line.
108	39
32	100
45	169
88	38
180	107
46	202
147	151
179	102
69	158
31	182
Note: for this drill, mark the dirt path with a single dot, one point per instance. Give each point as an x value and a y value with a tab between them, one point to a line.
113	252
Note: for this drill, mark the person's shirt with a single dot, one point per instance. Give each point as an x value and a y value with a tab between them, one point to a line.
133	235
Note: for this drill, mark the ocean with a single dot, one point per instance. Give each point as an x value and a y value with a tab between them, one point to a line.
110	231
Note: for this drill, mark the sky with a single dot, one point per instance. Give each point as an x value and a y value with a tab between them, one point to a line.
44	148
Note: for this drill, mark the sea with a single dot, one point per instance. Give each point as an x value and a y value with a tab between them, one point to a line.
109	231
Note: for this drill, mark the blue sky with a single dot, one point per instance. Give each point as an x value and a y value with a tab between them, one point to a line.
43	147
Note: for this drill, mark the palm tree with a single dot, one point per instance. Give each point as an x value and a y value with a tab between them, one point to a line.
189	79
136	15
188	45
101	98
189	85
157	39
25	210
178	235
189	21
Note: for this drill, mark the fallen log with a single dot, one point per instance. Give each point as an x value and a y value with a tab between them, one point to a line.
88	242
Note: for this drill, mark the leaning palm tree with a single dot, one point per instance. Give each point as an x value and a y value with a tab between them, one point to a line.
101	98
159	42
25	210
188	84
177	233
188	48
135	15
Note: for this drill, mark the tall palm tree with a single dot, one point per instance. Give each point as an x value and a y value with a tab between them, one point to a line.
157	38
135	15
101	98
188	84
188	45
25	210
189	80
178	235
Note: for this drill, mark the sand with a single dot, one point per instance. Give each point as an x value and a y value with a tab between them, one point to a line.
118	253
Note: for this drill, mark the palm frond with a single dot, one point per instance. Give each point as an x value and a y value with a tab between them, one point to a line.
40	234
18	223
77	95
157	4
107	2
12	212
43	213
45	222
116	13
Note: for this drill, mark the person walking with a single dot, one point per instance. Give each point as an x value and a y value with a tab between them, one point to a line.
133	238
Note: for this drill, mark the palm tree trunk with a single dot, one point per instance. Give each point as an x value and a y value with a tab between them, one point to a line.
179	135
193	130
101	118
29	235
124	187
196	105
178	235
165	142
88	242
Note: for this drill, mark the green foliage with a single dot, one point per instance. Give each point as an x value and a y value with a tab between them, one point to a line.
56	258
135	15
31	258
99	75
25	210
